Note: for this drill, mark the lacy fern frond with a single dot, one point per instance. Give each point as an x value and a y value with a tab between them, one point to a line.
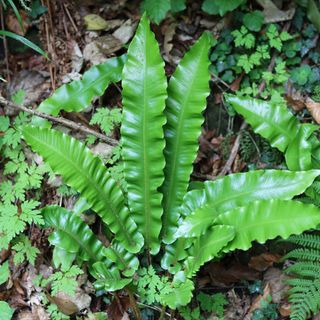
310	241
305	292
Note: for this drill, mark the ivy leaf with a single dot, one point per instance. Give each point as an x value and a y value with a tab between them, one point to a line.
178	5
220	7
301	74
156	10
253	20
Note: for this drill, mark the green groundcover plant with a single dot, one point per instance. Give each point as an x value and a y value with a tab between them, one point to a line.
158	218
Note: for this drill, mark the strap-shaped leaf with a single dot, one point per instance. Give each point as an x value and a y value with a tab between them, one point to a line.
207	247
72	235
299	152
201	207
144	93
273	122
108	279
77	95
85	173
125	261
267	219
187	92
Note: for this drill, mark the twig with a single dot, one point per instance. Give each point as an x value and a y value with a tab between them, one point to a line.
60	120
156	309
234	151
5	45
235	148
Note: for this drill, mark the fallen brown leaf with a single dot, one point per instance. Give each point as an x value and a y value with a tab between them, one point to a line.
222	276
284	310
276	280
314	109
263	261
295	99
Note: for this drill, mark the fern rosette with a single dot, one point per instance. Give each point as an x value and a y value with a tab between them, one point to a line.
161	125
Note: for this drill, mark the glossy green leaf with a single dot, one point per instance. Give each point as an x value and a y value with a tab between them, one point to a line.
72	235
187	92
86	173
77	95
273	122
208	247
23	40
201	207
108	279
124	260
299	152
144	94
268	219
174	254
181	295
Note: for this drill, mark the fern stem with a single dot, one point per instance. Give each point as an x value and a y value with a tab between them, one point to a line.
134	304
163	312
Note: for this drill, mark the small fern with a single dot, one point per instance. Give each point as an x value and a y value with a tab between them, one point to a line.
305	292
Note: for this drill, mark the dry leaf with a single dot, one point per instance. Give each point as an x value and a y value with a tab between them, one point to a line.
263	261
295	99
13	24
276	280
314	109
284	310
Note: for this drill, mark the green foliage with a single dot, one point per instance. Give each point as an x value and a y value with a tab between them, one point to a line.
281	128
77	95
243	38
220	7
5	311
107	119
156	10
253	20
150	286
63	281
24	251
267	310
160	130
24	41
304	294
4	272
212	303
301	74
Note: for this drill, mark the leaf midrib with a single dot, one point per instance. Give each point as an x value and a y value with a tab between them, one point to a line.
93	183
169	193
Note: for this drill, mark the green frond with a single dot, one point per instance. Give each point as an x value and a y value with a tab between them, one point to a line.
311	241
303	254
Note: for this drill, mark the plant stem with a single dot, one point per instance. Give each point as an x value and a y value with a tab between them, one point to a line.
134	304
163	313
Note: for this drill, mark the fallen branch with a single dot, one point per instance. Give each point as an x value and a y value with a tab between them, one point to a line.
65	122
